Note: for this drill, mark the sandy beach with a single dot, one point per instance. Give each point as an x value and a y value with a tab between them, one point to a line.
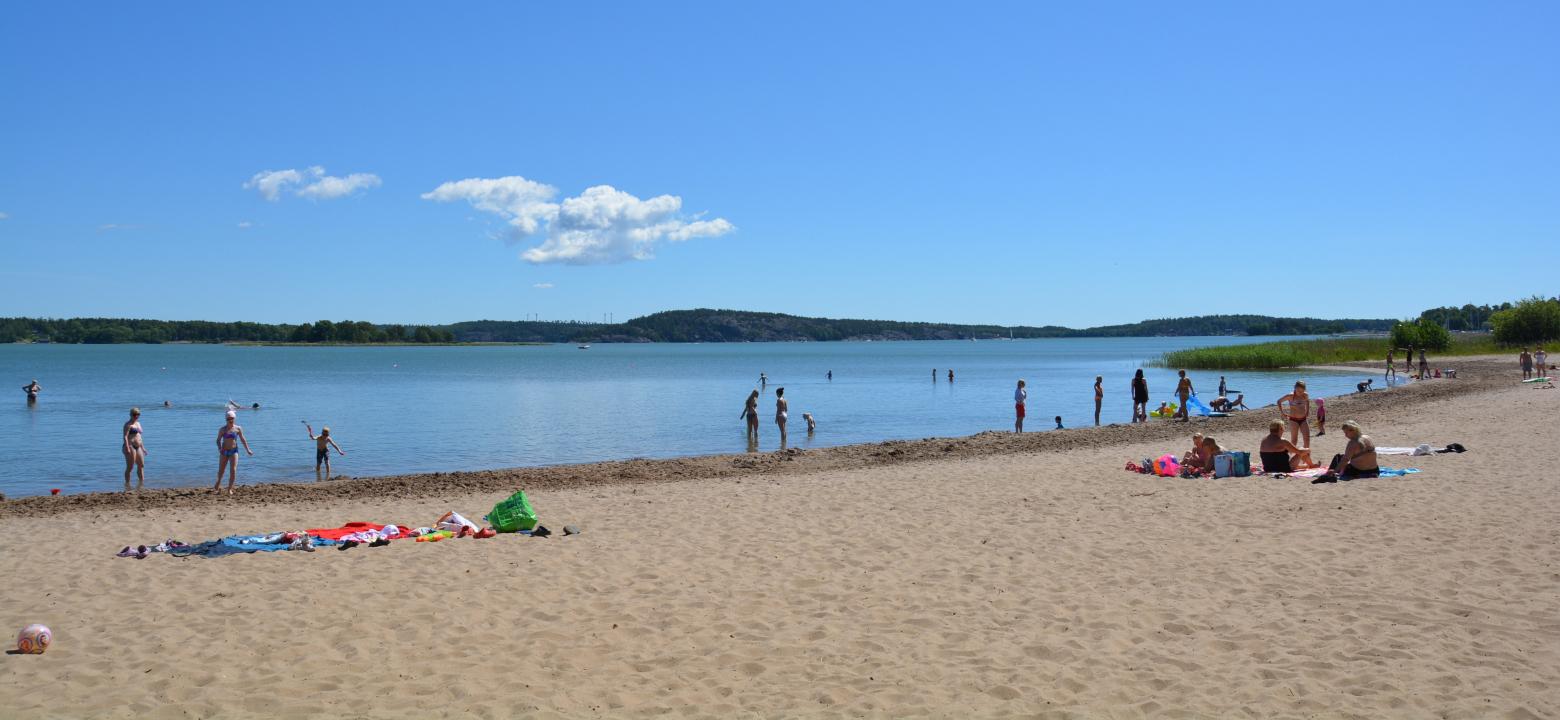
989	576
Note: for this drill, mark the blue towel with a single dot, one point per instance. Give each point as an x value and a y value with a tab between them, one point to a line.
1389	472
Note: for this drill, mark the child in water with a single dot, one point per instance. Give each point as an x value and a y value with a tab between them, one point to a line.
322	445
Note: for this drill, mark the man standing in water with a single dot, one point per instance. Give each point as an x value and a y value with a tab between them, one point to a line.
1099	397
32	389
1183	390
1391	369
1020	396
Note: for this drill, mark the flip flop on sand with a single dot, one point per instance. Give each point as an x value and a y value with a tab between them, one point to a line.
381	542
348	545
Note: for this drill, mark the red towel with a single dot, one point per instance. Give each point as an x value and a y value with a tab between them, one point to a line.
344	530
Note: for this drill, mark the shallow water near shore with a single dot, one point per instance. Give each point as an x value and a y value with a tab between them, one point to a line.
422	409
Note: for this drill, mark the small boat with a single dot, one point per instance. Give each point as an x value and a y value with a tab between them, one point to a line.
586	346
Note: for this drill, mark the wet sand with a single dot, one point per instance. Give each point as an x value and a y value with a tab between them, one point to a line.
989	576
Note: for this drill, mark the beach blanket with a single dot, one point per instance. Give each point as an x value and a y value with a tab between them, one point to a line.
1389	472
238	545
1420	450
343	531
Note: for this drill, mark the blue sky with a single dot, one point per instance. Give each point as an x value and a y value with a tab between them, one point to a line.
1032	163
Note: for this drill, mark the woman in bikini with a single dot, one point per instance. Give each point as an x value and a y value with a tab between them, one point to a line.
781	413
1358	459
134	449
228	438
1296	406
750	412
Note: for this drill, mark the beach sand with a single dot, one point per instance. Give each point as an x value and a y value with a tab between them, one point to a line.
990	576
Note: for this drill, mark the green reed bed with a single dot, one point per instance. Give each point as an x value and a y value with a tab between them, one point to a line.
1295	353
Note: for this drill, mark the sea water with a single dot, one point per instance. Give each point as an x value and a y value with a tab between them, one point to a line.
416	409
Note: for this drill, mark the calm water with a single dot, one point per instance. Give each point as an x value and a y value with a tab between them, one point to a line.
398	410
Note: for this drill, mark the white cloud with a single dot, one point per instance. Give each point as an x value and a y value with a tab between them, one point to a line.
4	216
310	182
245	225
602	225
524	203
116	226
543	286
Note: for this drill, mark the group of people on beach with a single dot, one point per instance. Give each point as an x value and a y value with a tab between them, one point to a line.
782	414
1528	361
229	437
1281	456
132	444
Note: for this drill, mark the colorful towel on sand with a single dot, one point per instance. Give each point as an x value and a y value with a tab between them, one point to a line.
239	545
344	530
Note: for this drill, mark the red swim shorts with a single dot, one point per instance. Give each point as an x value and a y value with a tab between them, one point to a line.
1019	408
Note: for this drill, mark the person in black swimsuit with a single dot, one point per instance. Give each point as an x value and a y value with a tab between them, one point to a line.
1139	397
1358	459
1280	455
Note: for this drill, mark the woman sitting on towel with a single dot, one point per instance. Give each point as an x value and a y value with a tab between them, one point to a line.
1194	456
1280	455
1358	459
1210	448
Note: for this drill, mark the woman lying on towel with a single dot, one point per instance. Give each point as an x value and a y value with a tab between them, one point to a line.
1280	455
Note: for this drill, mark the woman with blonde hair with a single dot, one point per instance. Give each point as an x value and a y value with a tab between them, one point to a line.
1358	459
134	449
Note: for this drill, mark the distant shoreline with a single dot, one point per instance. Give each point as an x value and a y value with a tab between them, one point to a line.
1479	374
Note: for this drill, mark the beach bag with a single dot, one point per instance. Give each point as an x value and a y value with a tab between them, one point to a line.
1232	464
1167	466
513	514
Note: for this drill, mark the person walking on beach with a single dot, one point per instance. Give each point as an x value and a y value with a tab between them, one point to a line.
1099	397
750	413
1408	361
1020	396
781	413
228	438
134	449
1296	406
1321	417
1526	361
1139	397
1541	361
1424	366
322	445
1183	390
32	389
